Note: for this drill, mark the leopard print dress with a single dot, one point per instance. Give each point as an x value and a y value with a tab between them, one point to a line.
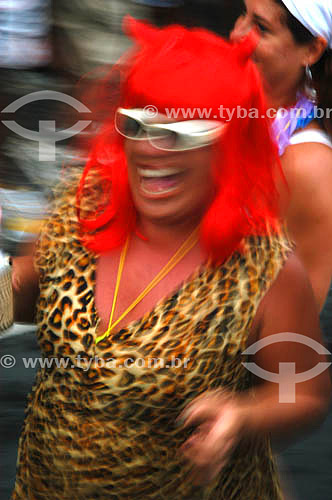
109	432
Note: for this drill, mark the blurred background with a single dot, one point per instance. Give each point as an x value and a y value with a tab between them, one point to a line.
50	45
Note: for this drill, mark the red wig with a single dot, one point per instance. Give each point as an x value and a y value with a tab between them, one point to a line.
193	69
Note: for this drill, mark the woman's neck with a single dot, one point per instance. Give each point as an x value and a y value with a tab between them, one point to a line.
278	97
166	236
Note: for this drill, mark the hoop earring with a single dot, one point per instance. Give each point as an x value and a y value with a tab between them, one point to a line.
309	84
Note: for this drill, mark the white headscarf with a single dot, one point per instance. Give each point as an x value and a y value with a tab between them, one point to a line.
315	15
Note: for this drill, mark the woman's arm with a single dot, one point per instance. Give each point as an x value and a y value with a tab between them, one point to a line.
223	419
289	307
308	171
25	285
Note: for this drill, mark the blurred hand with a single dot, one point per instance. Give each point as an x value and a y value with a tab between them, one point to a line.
220	422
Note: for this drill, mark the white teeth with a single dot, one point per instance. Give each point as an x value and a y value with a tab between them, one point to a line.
162	191
162	172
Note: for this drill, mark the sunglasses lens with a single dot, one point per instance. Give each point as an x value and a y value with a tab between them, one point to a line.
164	139
127	126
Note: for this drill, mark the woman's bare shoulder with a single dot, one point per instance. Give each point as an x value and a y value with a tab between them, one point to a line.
289	305
307	162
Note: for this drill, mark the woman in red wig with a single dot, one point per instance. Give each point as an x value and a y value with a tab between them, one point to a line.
159	267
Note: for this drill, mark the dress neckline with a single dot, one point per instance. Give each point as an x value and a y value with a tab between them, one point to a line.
198	272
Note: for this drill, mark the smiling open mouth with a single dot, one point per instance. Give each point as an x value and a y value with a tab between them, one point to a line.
160	181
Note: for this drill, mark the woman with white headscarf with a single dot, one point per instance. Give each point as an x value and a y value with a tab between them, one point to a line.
294	55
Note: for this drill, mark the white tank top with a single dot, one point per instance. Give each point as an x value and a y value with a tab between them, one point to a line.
311	135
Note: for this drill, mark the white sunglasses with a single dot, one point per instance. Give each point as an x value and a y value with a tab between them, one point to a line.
175	136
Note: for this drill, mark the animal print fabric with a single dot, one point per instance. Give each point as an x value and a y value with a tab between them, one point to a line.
110	433
6	294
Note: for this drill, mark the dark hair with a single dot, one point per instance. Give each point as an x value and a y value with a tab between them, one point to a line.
321	70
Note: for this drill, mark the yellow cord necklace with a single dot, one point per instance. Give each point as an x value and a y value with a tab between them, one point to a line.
177	257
